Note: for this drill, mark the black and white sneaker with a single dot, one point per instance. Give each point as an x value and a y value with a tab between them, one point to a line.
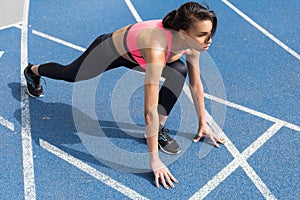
166	143
34	87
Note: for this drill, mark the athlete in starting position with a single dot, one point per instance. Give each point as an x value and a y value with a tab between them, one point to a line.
154	47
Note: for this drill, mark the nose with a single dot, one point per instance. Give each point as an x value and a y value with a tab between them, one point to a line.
208	40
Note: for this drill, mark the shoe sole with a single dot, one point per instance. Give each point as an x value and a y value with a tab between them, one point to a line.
167	152
33	95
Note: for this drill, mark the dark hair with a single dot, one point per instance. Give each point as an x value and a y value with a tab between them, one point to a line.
184	17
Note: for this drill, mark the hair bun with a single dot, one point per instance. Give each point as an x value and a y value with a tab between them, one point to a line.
168	19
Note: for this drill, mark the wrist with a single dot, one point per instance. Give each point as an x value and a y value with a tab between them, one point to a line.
202	122
154	156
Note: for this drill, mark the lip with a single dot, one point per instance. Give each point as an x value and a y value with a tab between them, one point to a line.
206	47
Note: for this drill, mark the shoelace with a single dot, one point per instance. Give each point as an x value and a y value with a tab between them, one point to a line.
164	132
37	81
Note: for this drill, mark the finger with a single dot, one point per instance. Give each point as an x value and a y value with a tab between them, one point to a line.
220	140
156	181
163	182
169	181
172	177
197	138
214	141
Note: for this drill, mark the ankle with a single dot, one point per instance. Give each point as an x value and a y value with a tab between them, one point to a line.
161	126
34	70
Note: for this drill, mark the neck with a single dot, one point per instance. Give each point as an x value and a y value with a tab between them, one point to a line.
178	42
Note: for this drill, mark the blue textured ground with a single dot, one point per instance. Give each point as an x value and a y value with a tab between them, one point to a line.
257	73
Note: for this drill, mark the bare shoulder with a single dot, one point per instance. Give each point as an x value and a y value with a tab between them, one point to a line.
152	38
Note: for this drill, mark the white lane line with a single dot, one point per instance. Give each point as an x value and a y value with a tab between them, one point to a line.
243	163
261	29
133	11
28	168
1	53
54	39
7	124
253	112
216	180
91	171
261	140
9	26
260	185
68	44
239	160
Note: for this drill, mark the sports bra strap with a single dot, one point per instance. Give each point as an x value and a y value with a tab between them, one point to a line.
132	33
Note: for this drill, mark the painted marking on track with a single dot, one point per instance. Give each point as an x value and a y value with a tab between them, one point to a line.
28	169
54	39
261	140
239	160
7	124
91	171
253	112
9	26
1	53
261	29
58	40
133	11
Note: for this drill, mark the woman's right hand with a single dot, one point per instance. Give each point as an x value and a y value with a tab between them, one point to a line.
162	174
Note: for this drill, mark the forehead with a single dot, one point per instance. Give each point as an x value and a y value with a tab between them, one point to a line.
202	26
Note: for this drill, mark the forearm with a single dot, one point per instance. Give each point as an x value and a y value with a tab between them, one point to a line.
198	99
152	124
151	90
152	143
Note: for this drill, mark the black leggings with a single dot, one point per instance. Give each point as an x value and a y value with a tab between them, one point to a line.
102	56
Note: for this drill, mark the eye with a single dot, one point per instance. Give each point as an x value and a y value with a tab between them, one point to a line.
202	34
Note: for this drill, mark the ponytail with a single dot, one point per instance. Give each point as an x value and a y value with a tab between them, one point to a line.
168	19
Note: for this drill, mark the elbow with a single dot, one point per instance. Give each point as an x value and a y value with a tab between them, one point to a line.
152	122
197	89
151	115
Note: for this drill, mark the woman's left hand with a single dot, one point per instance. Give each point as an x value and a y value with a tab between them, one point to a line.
205	131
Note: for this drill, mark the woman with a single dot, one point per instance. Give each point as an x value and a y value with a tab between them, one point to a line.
154	47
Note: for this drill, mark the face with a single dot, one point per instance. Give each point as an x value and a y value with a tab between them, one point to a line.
199	35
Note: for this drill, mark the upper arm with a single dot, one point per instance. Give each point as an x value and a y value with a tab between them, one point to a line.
155	63
152	45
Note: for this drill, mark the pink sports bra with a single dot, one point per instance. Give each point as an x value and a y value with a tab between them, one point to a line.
131	37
